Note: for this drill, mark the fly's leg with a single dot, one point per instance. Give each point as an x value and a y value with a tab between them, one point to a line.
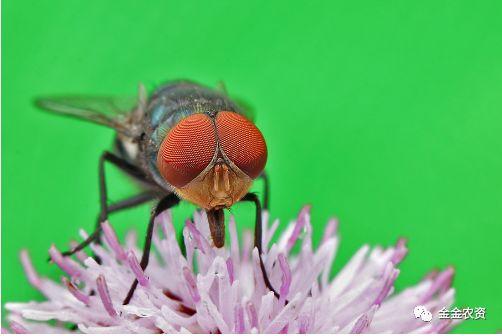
121	205
266	190
165	203
126	167
123	165
250	197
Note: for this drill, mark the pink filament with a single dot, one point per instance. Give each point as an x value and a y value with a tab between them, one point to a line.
230	270
442	281
253	316
63	263
286	278
239	319
112	240
304	324
104	295
192	286
81	255
196	236
387	287
32	275
17	328
400	251
300	224
361	324
330	229
76	292
137	270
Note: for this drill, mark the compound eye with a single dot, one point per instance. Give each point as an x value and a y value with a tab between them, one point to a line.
187	150
242	142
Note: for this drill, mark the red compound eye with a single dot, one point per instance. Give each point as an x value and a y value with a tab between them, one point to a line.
242	142
187	150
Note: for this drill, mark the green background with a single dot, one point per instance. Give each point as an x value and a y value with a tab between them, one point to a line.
386	114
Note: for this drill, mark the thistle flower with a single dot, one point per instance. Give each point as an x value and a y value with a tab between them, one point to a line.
212	290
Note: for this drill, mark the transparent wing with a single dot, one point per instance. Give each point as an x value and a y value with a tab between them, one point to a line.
108	111
245	108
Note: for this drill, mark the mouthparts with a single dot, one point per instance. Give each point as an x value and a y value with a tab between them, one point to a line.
216	219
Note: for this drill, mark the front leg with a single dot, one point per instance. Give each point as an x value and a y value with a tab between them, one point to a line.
129	169
266	190
115	207
250	197
124	166
165	203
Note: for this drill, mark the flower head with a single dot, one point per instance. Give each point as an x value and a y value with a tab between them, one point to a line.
222	290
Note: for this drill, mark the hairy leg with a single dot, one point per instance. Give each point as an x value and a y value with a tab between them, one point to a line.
250	197
121	205
266	190
165	203
129	169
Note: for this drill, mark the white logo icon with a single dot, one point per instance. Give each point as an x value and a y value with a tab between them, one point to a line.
422	313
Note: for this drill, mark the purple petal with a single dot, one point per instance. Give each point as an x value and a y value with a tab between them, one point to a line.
239	319
252	315
286	277
361	324
32	275
64	263
18	328
386	287
300	223
131	239
199	240
270	234
330	229
81	255
400	251
230	270
260	286
285	316
247	246
442	281
191	285
234	240
304	324
104	295
137	270
76	292
166	219
112	240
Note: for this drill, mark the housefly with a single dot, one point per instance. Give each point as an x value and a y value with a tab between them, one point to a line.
184	142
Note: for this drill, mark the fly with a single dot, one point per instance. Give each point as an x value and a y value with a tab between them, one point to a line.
184	142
